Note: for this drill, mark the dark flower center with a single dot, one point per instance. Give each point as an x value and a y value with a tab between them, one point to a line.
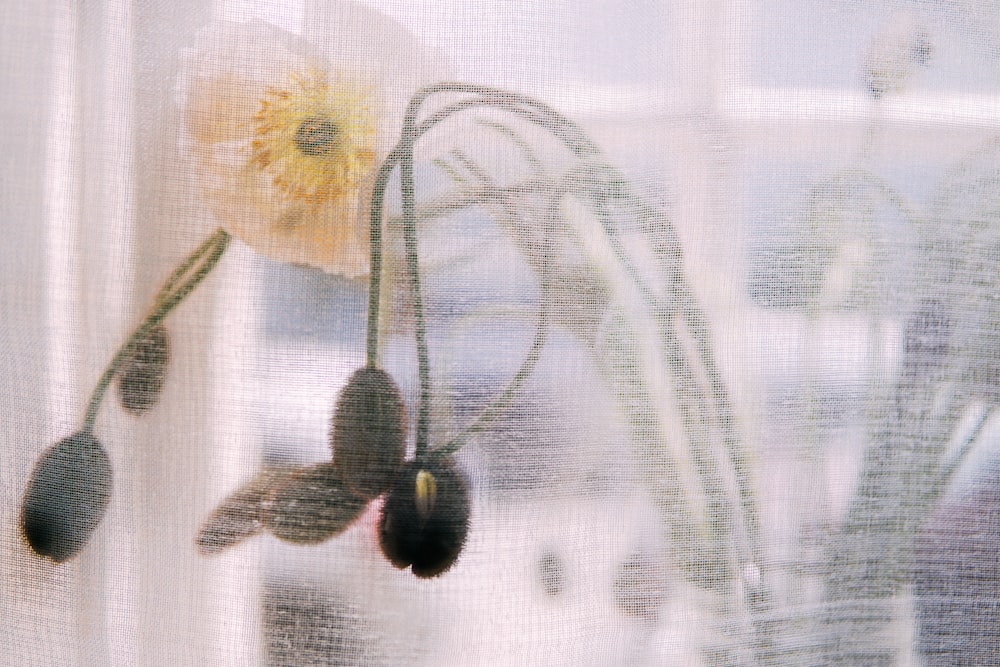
316	136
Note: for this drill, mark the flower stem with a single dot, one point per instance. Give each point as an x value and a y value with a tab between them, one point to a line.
408	195
375	243
503	401
186	265
506	397
173	292
530	109
520	105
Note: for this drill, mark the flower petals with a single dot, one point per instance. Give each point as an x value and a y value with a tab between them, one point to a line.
311	505
239	516
248	90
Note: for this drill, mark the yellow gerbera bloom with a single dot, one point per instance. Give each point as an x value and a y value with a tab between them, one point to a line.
287	135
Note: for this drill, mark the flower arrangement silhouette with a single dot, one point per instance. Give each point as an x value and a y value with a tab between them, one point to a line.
295	156
313	147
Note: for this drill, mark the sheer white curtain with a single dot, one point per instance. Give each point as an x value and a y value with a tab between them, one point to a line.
758	430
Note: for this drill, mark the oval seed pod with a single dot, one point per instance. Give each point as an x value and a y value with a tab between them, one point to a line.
425	518
310	505
368	435
67	494
140	380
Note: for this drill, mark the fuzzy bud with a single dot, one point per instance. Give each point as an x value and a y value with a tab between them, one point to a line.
140	380
425	518
368	435
67	495
552	573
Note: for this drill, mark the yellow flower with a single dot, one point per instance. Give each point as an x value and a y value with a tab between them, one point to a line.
287	135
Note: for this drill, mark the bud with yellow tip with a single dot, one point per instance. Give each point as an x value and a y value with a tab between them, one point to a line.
425	518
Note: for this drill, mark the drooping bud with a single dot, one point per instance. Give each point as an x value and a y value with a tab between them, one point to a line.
425	518
311	505
66	497
140	380
369	433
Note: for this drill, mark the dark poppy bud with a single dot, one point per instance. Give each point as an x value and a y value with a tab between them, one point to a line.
368	435
425	518
66	497
240	516
311	505
141	378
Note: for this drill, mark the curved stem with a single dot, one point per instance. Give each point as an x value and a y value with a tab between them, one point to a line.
408	195
506	397
503	401
169	296
533	111
528	108
560	126
186	265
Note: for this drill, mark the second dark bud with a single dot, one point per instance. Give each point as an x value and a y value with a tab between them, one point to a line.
369	434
